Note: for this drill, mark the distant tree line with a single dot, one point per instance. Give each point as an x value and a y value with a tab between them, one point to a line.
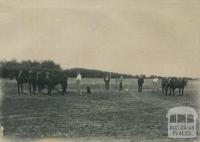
89	73
6	67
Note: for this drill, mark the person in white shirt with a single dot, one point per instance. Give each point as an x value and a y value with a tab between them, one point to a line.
107	82
79	78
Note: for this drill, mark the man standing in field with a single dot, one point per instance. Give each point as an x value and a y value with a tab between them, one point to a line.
140	83
121	83
107	81
79	78
64	84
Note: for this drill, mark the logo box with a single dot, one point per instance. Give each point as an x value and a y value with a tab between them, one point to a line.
182	122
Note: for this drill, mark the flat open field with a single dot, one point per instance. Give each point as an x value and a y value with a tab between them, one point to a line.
113	114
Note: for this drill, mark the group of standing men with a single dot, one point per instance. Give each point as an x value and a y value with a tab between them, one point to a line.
107	79
121	83
107	82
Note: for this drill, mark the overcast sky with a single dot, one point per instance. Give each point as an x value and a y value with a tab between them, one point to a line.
129	36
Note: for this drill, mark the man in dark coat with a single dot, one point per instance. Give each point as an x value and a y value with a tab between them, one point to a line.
140	83
121	83
64	85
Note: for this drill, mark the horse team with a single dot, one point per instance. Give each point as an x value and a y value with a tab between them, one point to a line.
40	80
169	85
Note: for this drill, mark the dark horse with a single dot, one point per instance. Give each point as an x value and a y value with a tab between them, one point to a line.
32	81
172	84
166	85
164	82
50	80
21	76
180	84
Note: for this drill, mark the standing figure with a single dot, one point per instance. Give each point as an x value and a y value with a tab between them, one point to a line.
121	83
79	78
49	82
140	83
64	85
20	81
32	82
107	82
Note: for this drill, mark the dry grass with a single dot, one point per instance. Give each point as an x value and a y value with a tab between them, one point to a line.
101	114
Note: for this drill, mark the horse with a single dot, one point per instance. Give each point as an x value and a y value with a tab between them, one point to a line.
21	76
164	84
167	84
180	84
57	78
50	80
172	84
40	81
32	81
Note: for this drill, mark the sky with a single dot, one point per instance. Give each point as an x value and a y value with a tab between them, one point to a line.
128	36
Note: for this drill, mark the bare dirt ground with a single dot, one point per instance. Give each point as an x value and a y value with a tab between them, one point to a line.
103	115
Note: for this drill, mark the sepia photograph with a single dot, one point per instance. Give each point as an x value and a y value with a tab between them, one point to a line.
99	70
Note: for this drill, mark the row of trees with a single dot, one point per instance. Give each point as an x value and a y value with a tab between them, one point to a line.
89	73
6	67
